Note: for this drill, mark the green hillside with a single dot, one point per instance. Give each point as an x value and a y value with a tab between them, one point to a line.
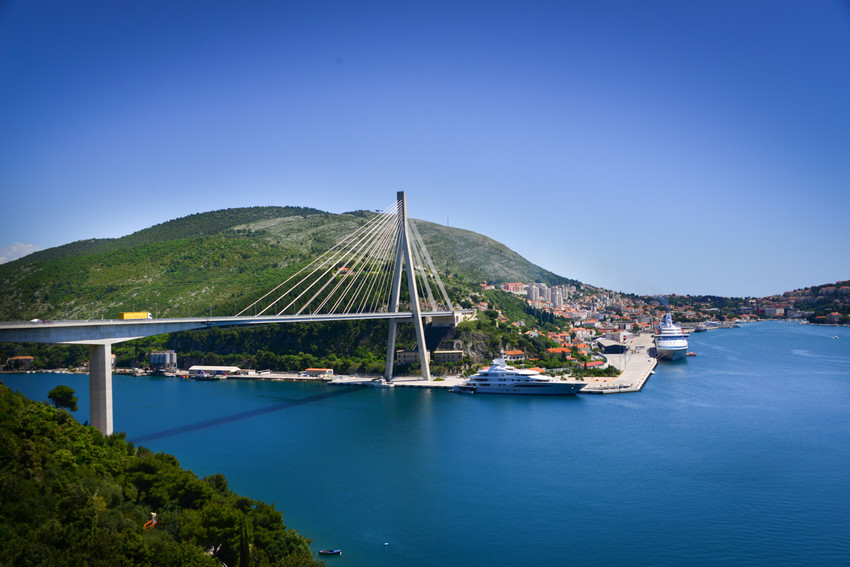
217	263
199	224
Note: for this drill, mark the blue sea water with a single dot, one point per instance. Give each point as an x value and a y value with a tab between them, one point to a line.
738	456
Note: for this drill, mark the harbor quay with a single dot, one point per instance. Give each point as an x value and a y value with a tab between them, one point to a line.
636	366
446	382
345	380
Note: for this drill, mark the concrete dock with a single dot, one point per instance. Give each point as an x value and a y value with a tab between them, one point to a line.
636	366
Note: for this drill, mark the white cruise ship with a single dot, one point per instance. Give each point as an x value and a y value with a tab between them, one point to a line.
503	379
670	341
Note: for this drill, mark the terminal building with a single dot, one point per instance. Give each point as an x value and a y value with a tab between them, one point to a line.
609	346
221	371
318	372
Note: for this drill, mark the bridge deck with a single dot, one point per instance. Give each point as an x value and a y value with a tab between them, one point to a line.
114	330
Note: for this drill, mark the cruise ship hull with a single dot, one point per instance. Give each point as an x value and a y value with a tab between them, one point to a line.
671	354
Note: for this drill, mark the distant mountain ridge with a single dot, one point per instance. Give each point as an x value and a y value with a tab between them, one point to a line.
216	262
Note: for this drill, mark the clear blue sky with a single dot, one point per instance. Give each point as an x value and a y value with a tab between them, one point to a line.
648	147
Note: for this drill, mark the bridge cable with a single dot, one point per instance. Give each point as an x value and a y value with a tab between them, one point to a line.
355	275
379	289
421	243
356	271
370	256
421	274
328	252
343	254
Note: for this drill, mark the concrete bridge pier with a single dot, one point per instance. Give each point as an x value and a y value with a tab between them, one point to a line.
100	386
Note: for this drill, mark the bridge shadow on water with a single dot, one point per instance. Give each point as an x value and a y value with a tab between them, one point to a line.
241	415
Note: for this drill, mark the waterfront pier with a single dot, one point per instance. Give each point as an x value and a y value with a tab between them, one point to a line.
635	366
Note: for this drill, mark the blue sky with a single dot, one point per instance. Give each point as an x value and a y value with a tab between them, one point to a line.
647	147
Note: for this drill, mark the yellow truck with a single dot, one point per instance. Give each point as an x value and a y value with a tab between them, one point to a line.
135	315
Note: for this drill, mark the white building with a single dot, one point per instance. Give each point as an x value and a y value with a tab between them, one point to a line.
200	370
557	298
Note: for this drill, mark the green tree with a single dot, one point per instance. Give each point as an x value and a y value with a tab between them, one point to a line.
69	496
63	397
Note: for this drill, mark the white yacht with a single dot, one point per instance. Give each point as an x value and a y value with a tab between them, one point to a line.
503	379
670	341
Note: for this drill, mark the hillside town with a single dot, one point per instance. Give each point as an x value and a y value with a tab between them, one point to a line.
590	320
579	326
593	307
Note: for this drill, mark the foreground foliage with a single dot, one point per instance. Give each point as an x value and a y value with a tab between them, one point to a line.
70	496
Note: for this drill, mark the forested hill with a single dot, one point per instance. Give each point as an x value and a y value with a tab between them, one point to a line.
217	263
70	496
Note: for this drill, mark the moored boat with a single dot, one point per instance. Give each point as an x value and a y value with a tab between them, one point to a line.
203	376
464	389
330	552
500	378
670	341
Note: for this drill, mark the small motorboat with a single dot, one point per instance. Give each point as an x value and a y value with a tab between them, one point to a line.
330	552
692	354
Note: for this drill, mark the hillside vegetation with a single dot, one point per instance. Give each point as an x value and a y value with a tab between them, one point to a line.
70	496
217	263
478	258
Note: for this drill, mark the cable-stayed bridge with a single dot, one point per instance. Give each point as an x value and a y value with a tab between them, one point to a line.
360	277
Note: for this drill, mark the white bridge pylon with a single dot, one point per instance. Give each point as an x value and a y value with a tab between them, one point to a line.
403	253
